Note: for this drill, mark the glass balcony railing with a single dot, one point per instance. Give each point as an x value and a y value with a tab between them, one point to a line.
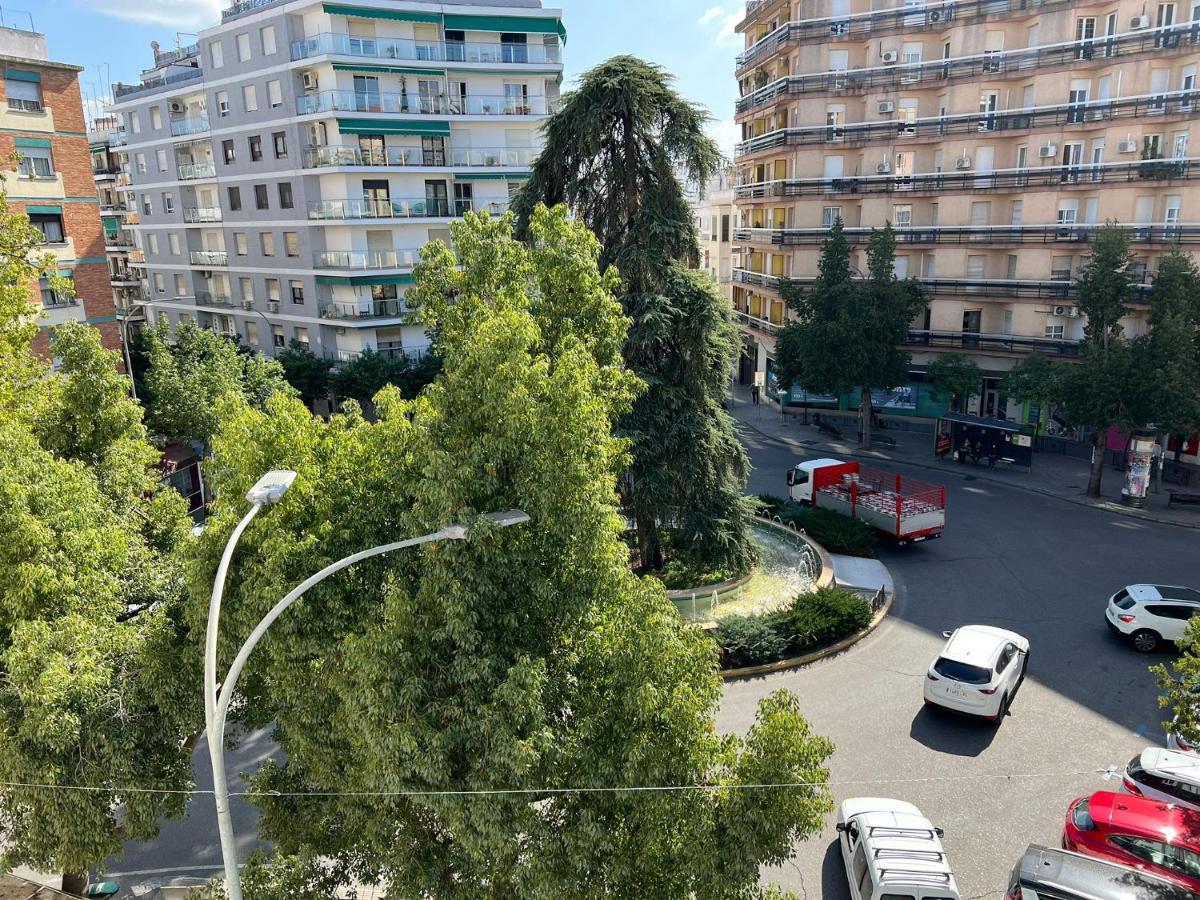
1058	233
192	125
349	259
416	103
473	157
192	171
426	51
195	214
365	309
996	342
217	299
209	257
425	208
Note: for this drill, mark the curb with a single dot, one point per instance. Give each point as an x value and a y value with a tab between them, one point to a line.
1102	506
728	584
796	662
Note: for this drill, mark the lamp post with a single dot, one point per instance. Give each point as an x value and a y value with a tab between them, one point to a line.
267	492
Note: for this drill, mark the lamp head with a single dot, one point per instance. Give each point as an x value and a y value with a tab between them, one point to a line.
269	489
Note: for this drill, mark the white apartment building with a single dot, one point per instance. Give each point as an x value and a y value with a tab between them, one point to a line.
288	167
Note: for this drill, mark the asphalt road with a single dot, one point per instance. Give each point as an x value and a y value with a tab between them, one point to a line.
1040	566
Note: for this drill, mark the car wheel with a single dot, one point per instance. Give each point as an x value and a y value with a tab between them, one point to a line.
1003	710
1145	640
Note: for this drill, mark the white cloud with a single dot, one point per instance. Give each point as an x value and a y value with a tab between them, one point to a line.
726	36
174	14
726	133
711	13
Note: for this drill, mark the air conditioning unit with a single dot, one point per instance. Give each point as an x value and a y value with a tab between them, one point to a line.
247	304
890	56
883	168
1139	22
1070	312
339	330
1127	147
887	106
937	15
1047	151
308	80
175	106
963	162
273	306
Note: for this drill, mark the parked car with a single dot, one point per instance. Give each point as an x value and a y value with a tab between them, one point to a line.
890	850
1164	775
1043	873
978	671
1148	614
1151	835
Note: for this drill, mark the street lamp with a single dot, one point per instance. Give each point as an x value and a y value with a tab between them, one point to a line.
268	491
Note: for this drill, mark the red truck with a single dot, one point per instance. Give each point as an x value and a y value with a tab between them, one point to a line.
899	507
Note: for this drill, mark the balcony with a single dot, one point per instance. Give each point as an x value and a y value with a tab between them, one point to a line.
106	171
209	257
217	300
197	214
423	208
124	277
344	259
195	171
1005	289
191	125
423	105
117	242
426	51
1064	233
112	209
993	64
1172	103
366	309
120	91
1001	343
993	180
755	322
472	157
388	349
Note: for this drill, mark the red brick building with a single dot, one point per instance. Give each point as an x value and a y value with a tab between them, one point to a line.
42	119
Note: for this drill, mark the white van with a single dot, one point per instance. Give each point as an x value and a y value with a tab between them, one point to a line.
892	851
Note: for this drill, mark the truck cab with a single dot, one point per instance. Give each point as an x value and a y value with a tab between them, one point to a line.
801	478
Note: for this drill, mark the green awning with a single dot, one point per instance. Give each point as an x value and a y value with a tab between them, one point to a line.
22	75
490	176
511	24
399	15
391	126
44	210
40	143
388	70
357	280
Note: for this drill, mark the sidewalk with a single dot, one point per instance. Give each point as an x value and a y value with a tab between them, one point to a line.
1052	475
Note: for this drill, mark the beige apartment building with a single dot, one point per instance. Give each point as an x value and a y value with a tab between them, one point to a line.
995	135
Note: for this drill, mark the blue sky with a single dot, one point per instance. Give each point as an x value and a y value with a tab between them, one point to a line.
692	39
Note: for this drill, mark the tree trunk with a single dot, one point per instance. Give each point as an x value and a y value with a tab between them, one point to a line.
865	412
1099	442
74	882
648	547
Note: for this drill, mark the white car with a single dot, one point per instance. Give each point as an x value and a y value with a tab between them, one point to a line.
1165	775
890	850
1149	614
978	671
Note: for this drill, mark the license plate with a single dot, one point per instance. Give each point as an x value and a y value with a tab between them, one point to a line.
956	691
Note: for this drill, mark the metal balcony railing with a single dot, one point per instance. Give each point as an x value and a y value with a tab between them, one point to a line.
426	51
349	259
996	342
196	214
1054	290
992	180
755	322
423	104
365	309
932	73
1021	119
126	90
1064	233
25	105
209	257
887	21
475	157
423	208
192	125
193	171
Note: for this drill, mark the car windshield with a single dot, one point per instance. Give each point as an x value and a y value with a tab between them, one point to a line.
960	671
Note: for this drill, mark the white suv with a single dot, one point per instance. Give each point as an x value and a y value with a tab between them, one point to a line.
1149	614
978	671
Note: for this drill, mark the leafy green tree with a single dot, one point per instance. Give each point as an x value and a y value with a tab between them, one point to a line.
370	372
1168	358
529	659
955	377
848	334
611	154
1180	685
1036	379
186	377
306	372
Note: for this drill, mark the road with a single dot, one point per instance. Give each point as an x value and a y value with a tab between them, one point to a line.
1040	566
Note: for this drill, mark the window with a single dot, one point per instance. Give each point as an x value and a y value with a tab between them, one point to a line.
902	216
1006	656
277	335
285	195
1055	332
267	33
215	54
153	244
274	94
291	243
228	153
239	243
35	162
260	197
249	98
51	297
235	198
246	286
160	285
135	123
24	90
160	156
297	289
267	241
1010	271
464	198
139	162
50	225
222	103
725	229
301	336
830	215
173	243
242	41
180	286
273	290
155	118
433	150
1018	207
252	333
255	143
279	142
147	206
168	202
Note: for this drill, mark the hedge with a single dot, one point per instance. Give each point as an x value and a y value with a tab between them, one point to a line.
812	621
831	530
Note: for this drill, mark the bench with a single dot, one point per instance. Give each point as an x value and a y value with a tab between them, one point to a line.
826	428
1187	498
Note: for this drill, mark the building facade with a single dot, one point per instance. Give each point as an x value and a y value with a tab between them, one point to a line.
287	168
994	135
110	171
42	122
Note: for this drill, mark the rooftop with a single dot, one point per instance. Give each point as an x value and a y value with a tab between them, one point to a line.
246	7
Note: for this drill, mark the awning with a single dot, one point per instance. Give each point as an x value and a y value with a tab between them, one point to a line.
22	75
491	176
399	15
511	24
41	143
964	419
391	126
508	72
387	70
44	210
358	280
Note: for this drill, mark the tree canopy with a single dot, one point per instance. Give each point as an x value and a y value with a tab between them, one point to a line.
529	659
955	377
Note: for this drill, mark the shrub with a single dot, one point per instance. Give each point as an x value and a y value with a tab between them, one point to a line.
831	530
749	641
821	618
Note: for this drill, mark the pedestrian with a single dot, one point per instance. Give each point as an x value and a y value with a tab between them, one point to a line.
754	395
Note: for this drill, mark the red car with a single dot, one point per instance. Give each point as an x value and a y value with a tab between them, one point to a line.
1159	838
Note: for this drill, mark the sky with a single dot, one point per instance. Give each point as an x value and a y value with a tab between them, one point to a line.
692	39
